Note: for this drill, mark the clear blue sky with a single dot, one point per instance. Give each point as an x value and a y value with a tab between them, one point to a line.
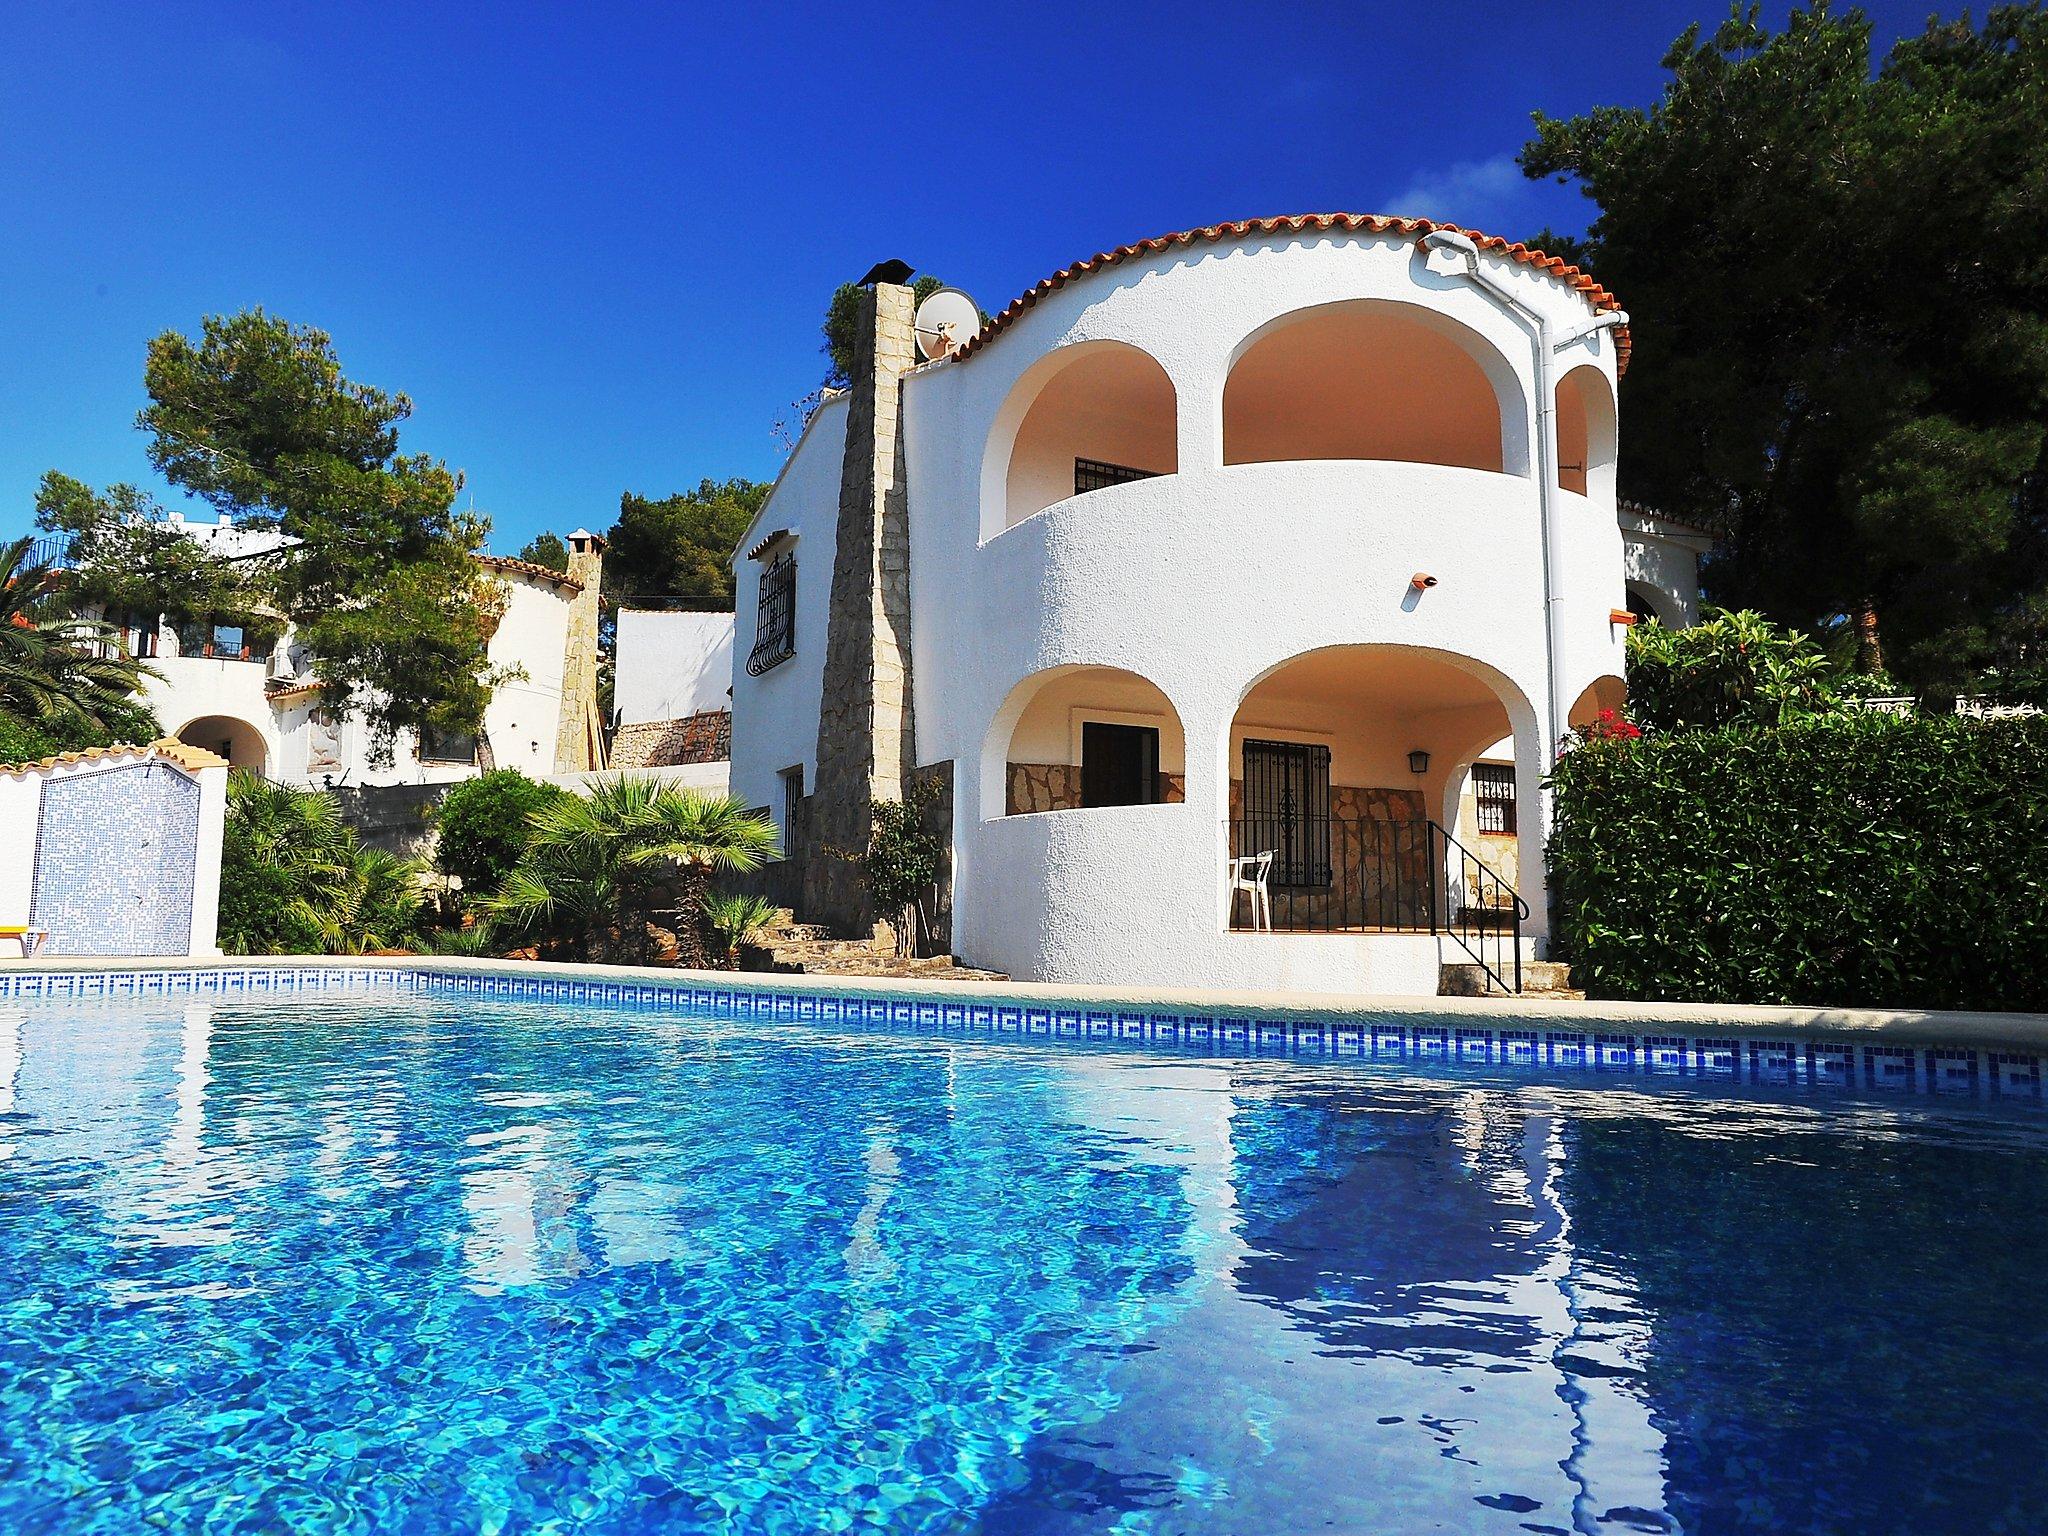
593	243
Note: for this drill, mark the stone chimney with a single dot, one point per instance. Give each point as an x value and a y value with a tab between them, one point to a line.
579	741
865	749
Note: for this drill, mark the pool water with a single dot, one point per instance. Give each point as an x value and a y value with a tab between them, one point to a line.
412	1263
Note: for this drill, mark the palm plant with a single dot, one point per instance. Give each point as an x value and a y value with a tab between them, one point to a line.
703	835
478	939
375	904
55	668
597	862
736	919
294	877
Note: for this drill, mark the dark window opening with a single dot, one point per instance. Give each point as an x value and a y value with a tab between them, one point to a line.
1287	809
792	803
1094	475
1493	787
1119	764
1639	605
447	746
775	617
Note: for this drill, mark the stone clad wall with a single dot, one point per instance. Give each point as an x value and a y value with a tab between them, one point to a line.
865	743
1379	860
579	737
1057	787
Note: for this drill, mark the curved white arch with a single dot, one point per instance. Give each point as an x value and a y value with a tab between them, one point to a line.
1456	735
1138	422
248	743
1606	691
1002	728
1586	433
1656	603
1511	405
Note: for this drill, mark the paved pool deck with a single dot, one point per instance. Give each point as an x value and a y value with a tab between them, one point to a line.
2023	1031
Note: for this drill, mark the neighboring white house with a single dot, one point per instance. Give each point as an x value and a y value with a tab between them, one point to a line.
673	658
1248	540
671	687
254	699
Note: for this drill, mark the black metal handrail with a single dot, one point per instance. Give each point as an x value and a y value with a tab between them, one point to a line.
1341	874
1480	910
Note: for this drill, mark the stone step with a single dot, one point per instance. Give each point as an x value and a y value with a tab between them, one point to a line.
1540	978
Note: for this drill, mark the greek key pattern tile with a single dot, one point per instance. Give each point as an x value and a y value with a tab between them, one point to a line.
1597	1055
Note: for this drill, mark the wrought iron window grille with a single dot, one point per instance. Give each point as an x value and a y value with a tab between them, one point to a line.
775	617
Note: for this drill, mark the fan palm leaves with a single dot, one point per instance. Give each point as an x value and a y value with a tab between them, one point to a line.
55	668
295	877
736	919
374	904
598	861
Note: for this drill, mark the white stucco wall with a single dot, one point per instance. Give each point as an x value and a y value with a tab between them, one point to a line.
21	795
1661	563
775	716
670	664
1201	582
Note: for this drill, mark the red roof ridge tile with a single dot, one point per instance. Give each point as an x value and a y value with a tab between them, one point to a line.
528	568
1572	277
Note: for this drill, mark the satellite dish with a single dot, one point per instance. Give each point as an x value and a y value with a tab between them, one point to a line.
945	321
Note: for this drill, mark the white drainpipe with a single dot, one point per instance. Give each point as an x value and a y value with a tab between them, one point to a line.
1548	345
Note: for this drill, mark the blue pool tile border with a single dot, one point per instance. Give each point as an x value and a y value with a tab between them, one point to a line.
1598	1054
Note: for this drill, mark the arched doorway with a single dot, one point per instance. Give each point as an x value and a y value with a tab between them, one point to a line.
1603	693
1585	433
1341	759
1373	379
235	739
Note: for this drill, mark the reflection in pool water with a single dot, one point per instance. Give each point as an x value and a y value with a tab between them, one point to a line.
380	1263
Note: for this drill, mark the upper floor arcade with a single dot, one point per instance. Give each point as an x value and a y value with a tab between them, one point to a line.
1206	355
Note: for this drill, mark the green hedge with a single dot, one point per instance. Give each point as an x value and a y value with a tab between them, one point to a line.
1852	860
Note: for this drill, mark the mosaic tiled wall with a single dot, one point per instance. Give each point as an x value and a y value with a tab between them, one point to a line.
1594	1056
115	856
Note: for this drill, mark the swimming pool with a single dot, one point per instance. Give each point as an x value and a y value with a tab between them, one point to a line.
425	1261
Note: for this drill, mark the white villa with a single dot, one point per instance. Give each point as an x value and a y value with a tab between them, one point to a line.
672	686
1230	592
253	698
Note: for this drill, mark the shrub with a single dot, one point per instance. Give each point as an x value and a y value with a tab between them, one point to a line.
127	723
21	742
737	919
1730	668
485	824
901	863
294	880
1859	859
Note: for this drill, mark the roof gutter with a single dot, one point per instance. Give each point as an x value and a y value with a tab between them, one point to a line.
1549	516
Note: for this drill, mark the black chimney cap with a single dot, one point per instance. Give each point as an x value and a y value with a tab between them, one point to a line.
887	272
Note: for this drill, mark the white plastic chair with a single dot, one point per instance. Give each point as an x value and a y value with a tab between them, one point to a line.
1252	873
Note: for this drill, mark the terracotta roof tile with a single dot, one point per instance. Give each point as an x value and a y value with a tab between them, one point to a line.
1306	223
183	753
528	568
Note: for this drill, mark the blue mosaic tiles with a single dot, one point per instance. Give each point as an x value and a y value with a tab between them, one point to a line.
1598	1054
115	853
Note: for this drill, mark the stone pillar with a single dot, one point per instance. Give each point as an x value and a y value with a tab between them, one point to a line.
865	749
579	739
